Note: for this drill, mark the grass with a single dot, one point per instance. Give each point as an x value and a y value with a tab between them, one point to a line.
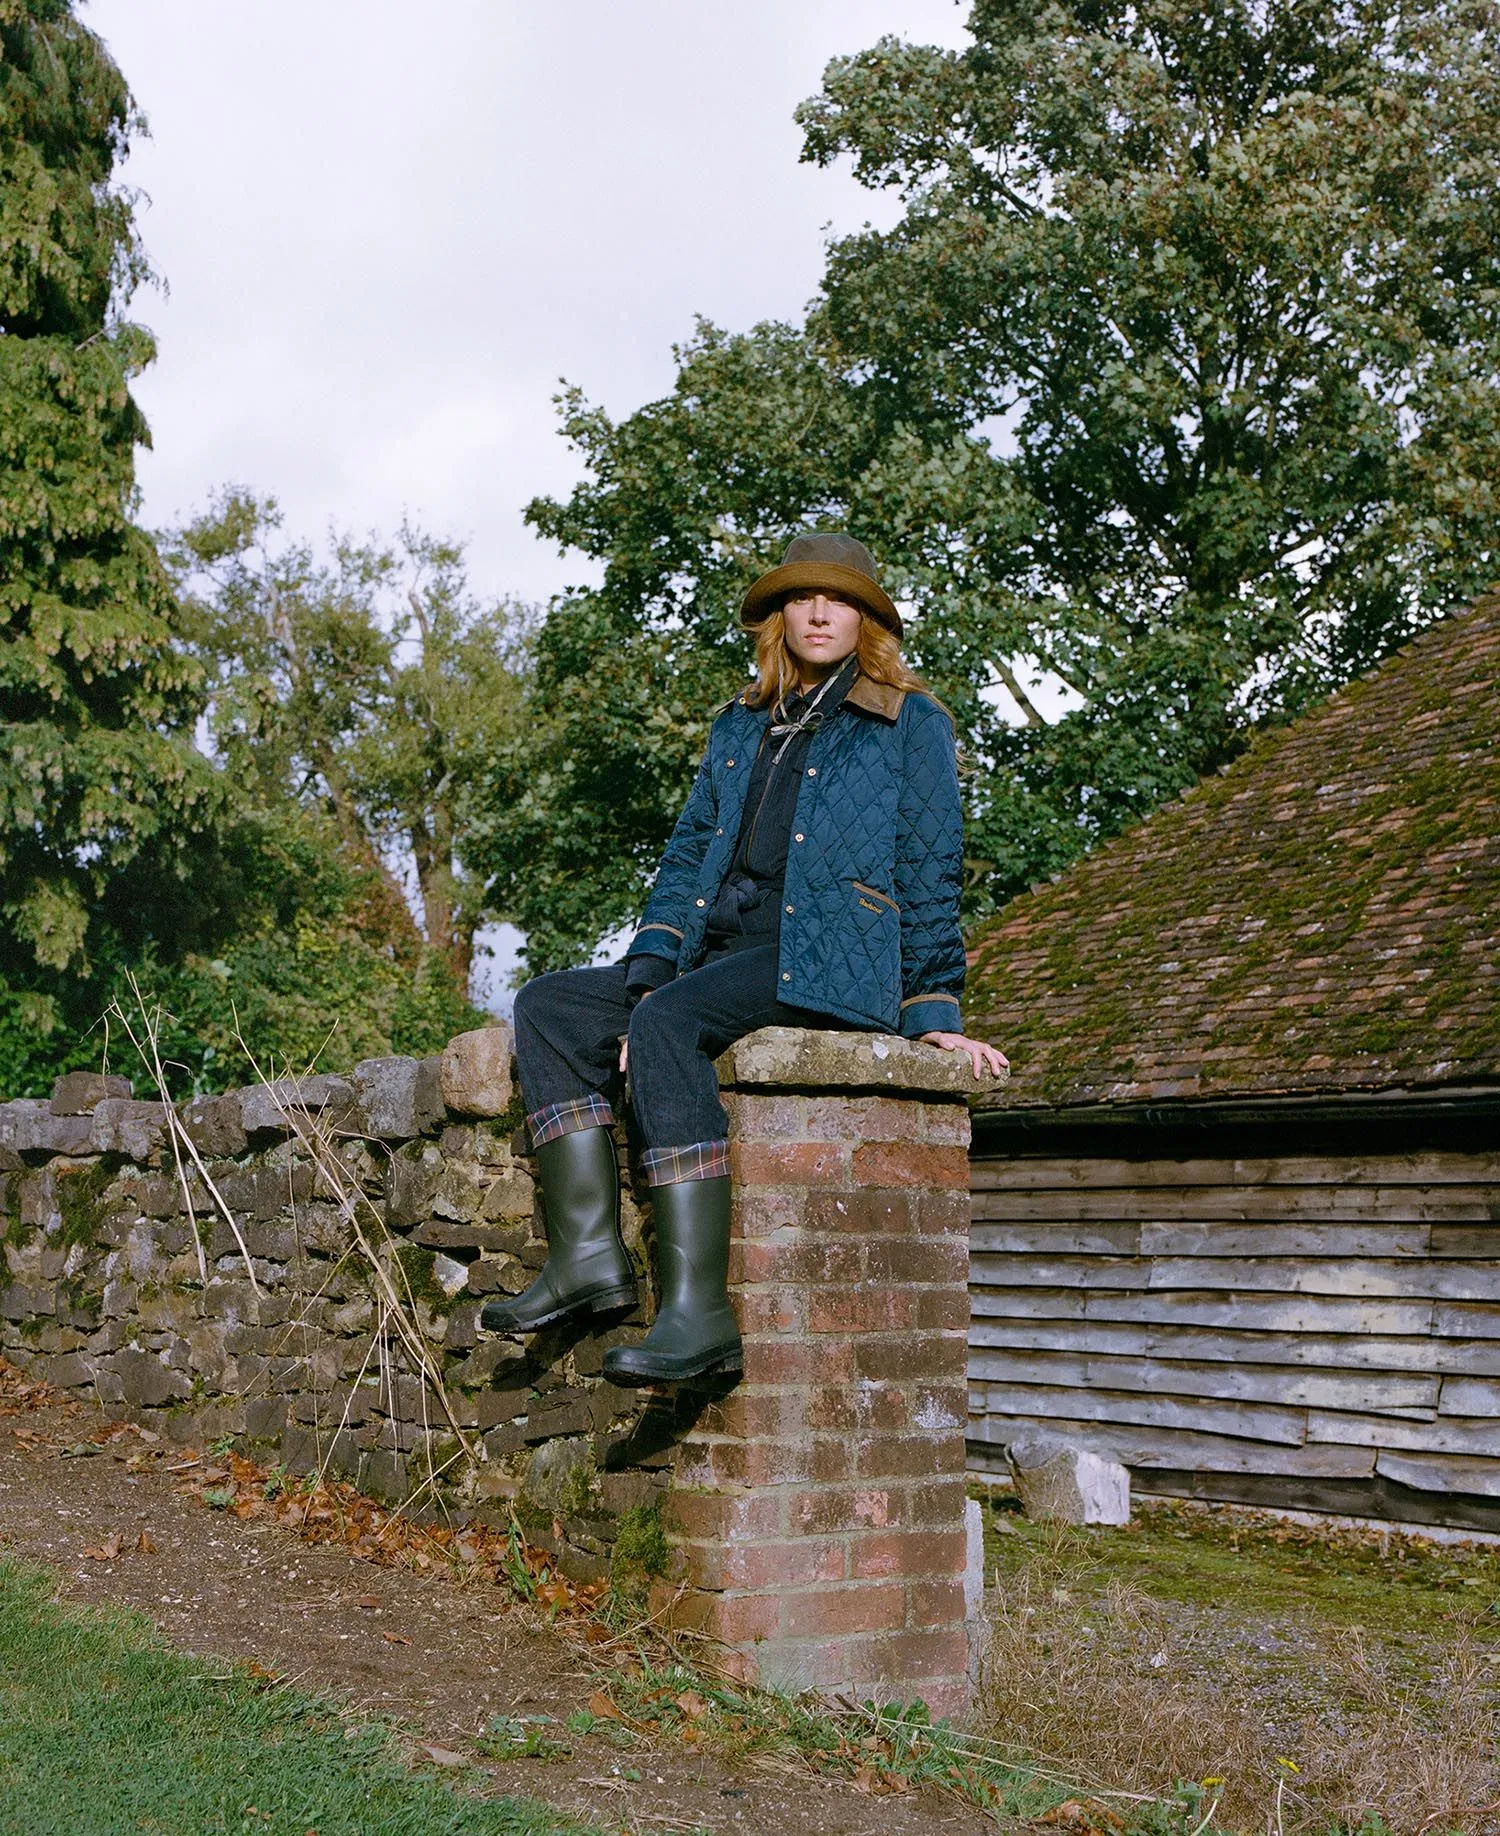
1308	1680
105	1730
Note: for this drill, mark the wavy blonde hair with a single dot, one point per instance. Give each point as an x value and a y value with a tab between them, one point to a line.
877	647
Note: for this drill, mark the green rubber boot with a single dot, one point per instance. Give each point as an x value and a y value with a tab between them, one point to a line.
695	1332
587	1268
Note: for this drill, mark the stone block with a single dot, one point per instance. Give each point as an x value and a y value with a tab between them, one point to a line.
1064	1484
475	1072
799	1058
397	1099
266	1108
215	1125
76	1093
145	1381
513	1196
29	1128
411	1181
135	1130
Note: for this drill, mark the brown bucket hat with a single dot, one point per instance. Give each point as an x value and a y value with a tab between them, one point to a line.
833	563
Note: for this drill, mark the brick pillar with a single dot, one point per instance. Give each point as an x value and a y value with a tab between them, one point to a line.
819	1507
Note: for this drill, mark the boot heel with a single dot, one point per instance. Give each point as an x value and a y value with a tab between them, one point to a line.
612	1299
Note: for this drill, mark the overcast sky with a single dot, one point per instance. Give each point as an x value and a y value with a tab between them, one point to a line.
388	230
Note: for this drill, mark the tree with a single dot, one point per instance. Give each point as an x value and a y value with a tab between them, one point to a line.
101	790
371	687
1175	382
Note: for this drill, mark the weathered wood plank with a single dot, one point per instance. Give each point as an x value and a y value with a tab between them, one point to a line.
1446	1434
1181	1238
1208	1307
1441	1473
1423	1277
1037	1172
1062	1238
1413	1397
987	1268
1465	1240
1470	1396
1248	1421
1333	1351
1458	1320
1165	1447
1159	1204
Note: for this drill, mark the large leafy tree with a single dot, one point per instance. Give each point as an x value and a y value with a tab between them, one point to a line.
99	781
370	687
1175	383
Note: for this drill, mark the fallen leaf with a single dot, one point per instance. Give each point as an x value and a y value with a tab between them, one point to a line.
692	1704
395	1638
368	1601
603	1707
144	1545
107	1550
444	1756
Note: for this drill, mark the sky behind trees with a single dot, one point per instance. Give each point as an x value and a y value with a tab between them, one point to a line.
384	244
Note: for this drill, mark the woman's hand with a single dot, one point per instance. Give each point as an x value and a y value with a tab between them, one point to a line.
982	1057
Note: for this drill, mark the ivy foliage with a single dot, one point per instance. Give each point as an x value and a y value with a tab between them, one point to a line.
1173	387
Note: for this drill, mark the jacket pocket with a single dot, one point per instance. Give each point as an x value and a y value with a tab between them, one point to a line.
867	893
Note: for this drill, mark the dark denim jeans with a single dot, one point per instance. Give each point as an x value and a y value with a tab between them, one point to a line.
568	1028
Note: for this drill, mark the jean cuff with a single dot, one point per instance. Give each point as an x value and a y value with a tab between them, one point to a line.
558	1119
670	1166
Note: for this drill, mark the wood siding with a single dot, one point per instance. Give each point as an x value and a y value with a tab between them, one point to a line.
1330	1322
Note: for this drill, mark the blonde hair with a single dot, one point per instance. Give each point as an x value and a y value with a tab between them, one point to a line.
877	647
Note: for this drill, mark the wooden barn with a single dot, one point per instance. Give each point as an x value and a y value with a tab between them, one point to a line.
1237	1214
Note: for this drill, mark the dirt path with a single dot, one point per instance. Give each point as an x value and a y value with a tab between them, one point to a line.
432	1652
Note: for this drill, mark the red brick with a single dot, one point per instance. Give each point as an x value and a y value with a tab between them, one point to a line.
827	1612
908	1456
802	1260
909	1553
928	1260
944	1309
868	1118
942	1408
751	1412
808	1163
868	1409
826	1459
936	1603
938	1169
937	1505
947	1124
772	1118
829	1510
861	1309
915	1654
718	1517
862	1214
942	1214
762	1212
803	1562
910	1357
735	1618
798	1664
777	1360
768	1309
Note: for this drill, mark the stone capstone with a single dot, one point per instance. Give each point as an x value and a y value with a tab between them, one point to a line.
79	1091
1064	1484
134	1130
474	1072
799	1058
215	1125
265	1108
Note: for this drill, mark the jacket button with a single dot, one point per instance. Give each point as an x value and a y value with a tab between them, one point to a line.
791	908
728	762
786	975
799	838
718	831
700	902
812	771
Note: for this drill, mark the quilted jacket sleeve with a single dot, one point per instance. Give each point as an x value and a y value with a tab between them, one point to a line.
661	928
929	871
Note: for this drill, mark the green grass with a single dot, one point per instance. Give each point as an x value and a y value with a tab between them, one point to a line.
105	1731
1400	1588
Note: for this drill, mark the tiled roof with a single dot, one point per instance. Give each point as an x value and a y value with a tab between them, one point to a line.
1323	915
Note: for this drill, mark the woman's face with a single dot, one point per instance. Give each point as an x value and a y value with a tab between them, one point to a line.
821	630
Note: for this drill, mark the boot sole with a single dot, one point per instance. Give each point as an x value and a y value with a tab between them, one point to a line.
602	1300
726	1363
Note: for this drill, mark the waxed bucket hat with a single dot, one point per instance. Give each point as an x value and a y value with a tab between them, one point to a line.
826	561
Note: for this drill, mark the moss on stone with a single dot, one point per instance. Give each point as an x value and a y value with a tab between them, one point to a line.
416	1264
640	1547
80	1202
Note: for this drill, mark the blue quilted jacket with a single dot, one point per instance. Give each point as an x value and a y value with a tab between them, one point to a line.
869	921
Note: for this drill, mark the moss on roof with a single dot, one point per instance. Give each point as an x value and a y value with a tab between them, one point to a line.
1323	915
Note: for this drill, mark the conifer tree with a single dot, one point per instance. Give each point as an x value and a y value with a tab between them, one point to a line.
100	784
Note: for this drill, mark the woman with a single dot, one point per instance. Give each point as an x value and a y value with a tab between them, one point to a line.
812	880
